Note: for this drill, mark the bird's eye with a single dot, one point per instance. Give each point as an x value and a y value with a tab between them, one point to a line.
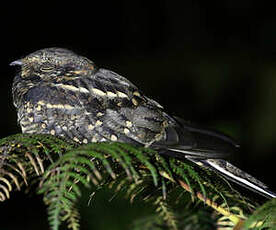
46	68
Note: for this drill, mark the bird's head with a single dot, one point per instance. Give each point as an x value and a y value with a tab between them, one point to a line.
53	63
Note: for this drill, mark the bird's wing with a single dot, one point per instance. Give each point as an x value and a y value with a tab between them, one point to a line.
133	117
184	138
127	112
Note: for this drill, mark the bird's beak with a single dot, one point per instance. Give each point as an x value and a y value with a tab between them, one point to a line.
17	62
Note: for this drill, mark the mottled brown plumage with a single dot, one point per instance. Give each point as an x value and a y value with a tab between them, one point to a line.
61	93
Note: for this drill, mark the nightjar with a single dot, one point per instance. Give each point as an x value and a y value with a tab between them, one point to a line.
62	93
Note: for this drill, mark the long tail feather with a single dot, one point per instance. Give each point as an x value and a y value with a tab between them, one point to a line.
236	175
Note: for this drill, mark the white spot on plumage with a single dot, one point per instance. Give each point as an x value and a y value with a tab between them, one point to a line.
136	93
98	123
85	141
59	106
98	92
113	138
29	110
129	124
121	94
198	163
41	102
83	90
76	139
73	88
134	101
54	106
66	106
110	94
38	108
99	114
51	106
126	131
94	139
90	127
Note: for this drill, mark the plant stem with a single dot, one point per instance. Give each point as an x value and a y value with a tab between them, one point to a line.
236	220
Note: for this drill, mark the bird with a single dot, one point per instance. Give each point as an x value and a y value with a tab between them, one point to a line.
59	92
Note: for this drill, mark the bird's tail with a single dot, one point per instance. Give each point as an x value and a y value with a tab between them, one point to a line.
235	174
209	148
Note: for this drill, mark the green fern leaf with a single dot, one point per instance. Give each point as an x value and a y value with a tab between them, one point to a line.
61	168
263	218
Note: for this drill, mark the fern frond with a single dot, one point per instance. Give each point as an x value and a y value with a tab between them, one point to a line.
263	218
78	165
24	157
187	218
166	213
63	168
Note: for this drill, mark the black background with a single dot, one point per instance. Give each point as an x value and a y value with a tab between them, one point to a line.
208	62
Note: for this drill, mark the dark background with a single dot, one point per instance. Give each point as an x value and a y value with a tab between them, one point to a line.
209	62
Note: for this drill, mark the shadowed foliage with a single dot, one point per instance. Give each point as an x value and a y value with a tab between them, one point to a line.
184	195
